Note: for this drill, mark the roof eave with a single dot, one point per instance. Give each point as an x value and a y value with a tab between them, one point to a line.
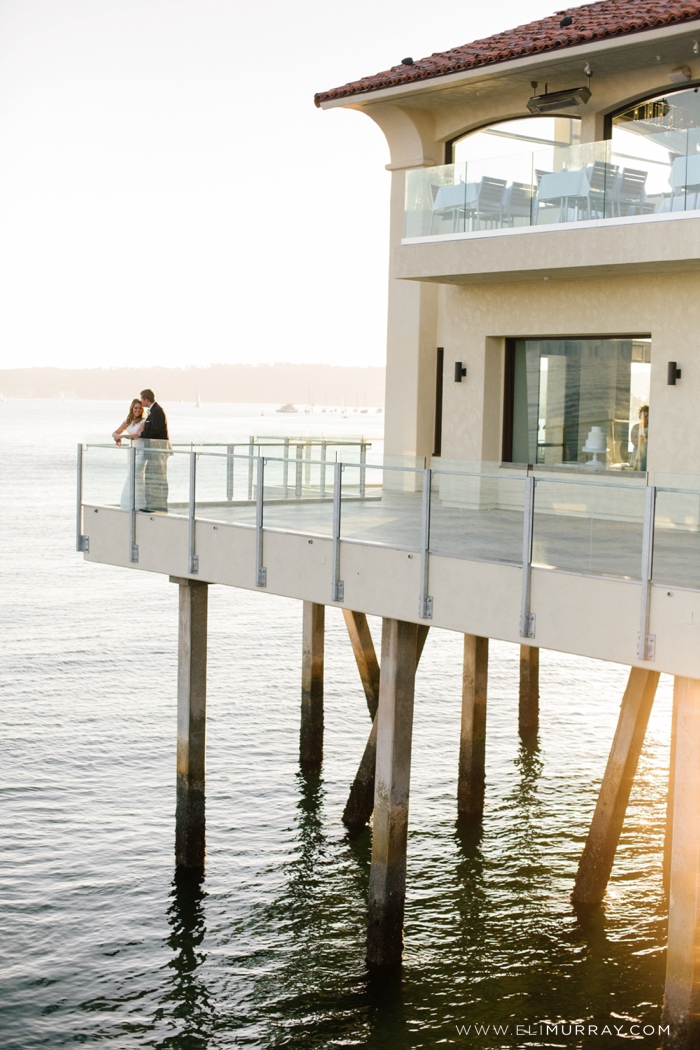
439	81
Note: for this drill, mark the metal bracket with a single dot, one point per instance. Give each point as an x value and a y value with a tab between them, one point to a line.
527	626
262	576
425	608
134	553
194	564
84	544
339	591
647	650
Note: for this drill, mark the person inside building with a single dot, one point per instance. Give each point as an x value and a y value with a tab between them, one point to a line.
638	437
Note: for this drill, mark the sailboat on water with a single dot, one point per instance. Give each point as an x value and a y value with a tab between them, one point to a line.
198	403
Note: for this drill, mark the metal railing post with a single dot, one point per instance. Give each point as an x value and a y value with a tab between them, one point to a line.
133	548
251	449
363	467
230	453
527	618
646	643
285	469
322	481
300	464
82	543
338	586
193	558
425	601
260	570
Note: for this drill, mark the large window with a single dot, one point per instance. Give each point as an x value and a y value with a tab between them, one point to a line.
517	136
580	401
657	142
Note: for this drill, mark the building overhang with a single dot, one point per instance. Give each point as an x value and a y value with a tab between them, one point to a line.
635	49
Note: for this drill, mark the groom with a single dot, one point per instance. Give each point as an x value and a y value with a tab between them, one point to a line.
156	446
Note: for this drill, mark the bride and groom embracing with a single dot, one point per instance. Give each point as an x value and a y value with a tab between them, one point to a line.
146	426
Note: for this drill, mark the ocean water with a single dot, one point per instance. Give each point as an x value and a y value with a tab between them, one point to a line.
101	946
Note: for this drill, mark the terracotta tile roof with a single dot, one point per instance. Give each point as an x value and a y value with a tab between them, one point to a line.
608	18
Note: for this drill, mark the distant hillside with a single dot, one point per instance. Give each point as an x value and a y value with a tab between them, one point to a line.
305	384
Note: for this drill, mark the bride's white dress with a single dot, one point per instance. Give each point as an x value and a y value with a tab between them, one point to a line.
140	493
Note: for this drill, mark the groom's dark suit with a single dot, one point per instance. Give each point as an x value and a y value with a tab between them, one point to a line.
156	425
156	442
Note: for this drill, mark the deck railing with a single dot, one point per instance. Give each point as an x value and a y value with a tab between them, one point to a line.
550	186
612	524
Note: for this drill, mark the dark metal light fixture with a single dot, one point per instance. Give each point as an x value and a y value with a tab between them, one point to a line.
459	371
674	373
554	100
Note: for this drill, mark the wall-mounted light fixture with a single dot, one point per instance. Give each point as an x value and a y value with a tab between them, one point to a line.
459	372
680	75
674	373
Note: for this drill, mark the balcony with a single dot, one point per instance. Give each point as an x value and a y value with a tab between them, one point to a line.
600	564
620	211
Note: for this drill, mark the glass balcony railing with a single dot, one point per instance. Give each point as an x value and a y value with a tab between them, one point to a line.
552	186
582	522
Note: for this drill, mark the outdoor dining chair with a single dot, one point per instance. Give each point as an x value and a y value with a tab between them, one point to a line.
517	203
630	193
487	206
601	182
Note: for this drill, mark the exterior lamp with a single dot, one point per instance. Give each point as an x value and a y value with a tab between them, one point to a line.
459	372
674	373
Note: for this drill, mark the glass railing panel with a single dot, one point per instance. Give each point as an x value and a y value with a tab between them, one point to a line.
165	477
106	475
499	193
677	538
571	183
382	505
588	528
299	495
435	200
477	516
221	492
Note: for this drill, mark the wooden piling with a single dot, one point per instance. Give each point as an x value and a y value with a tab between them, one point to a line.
365	656
681	1011
604	834
311	731
360	804
191	724
470	785
529	703
387	881
668	837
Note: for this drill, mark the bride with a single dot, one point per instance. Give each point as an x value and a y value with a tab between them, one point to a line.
131	428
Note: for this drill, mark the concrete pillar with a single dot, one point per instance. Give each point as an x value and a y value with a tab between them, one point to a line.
360	804
681	1010
191	724
599	852
365	656
311	733
470	785
387	880
529	704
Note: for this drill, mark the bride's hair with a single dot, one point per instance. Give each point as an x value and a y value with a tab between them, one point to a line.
130	417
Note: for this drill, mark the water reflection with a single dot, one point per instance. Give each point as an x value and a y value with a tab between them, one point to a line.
188	999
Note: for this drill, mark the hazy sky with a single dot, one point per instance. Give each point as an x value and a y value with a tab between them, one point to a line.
169	194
